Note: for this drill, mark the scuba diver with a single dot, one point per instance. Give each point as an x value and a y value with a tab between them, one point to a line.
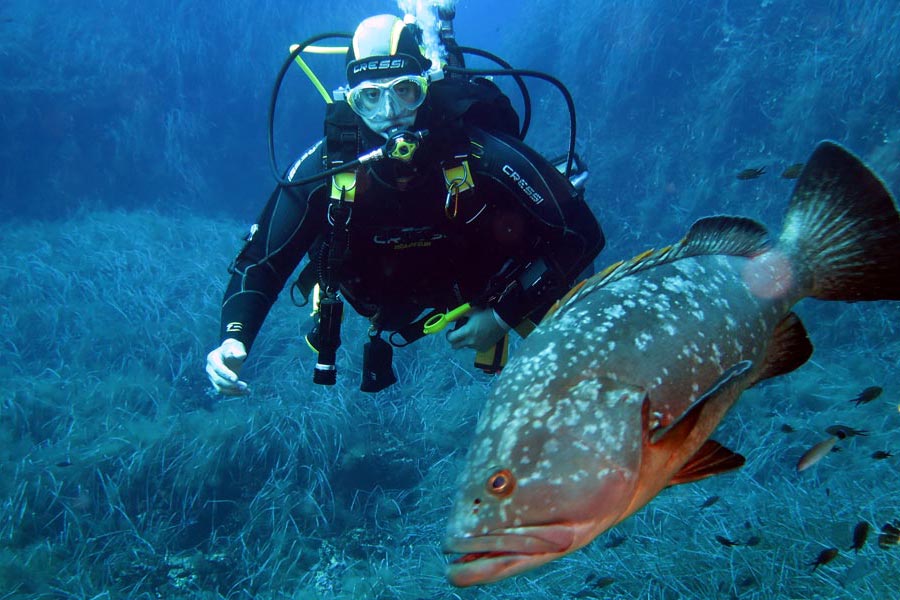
421	207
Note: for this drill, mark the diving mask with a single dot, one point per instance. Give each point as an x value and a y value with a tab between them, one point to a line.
401	94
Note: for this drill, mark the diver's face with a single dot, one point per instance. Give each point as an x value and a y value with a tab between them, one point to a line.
391	120
388	104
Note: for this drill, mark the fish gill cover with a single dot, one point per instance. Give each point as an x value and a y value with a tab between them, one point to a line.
134	155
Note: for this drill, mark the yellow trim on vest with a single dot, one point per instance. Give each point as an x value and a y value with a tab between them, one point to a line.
459	178
344	182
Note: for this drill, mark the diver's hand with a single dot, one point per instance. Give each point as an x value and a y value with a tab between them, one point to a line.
482	330
223	365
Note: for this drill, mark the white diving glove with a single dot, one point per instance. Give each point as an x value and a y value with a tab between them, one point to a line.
223	366
482	329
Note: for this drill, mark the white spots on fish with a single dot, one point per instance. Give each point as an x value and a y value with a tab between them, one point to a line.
716	353
730	323
670	329
564	415
689	268
579	475
643	341
542	466
722	304
675	285
571	321
616	311
690	351
581	446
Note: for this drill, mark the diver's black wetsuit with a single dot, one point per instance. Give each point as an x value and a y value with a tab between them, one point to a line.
407	255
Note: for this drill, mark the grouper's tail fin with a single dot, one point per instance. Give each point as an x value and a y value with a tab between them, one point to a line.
842	228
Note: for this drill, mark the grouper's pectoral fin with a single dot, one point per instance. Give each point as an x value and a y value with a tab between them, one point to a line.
789	349
682	427
712	459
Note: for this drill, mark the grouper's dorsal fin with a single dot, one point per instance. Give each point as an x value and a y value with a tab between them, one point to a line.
736	236
617	271
789	349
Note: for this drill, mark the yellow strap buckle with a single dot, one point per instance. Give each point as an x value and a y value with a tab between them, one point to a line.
343	185
458	179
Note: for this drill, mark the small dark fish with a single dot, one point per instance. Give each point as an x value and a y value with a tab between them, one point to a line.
793	171
787	428
825	557
64	463
867	395
815	454
615	541
593	583
753	540
860	533
751	173
726	542
598	582
890	535
881	454
709	502
843	431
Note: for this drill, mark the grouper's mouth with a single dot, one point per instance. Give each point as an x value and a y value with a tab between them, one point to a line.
505	552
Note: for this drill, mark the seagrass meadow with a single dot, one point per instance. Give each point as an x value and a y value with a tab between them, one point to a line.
130	173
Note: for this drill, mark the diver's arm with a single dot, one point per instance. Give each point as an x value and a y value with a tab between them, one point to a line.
565	233
287	227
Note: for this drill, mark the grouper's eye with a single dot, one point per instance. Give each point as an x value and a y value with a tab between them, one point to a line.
501	484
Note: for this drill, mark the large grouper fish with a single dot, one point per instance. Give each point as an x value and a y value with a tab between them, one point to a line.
614	396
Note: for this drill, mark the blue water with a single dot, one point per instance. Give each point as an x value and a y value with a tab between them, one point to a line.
132	157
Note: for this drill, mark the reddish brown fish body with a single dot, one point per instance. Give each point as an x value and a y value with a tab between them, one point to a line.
616	393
